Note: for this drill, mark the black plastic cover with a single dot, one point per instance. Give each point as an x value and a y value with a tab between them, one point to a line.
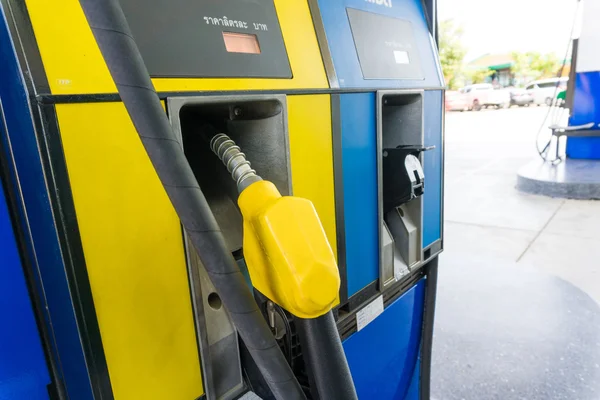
397	185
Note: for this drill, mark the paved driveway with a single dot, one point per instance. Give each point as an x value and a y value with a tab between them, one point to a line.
519	288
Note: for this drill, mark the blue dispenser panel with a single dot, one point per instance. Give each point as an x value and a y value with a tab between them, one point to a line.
414	390
23	372
383	356
432	167
395	32
359	163
586	109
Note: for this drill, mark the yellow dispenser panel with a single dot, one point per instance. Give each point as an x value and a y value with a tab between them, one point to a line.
74	64
134	255
311	156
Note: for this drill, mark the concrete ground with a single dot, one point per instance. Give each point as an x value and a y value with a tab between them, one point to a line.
518	313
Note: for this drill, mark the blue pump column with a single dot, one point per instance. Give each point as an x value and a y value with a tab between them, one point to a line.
586	94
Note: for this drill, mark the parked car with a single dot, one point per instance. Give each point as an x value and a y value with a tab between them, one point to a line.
520	97
484	95
456	101
545	91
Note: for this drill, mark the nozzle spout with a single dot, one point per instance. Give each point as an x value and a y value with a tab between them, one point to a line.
231	155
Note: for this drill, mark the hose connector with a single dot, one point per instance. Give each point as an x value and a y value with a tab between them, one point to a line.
231	155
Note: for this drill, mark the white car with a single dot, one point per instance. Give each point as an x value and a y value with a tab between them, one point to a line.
484	95
545	91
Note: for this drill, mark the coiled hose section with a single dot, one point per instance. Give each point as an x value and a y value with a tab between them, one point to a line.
130	75
231	155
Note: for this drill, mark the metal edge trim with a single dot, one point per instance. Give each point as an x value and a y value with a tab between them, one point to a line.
48	98
427	331
338	185
323	43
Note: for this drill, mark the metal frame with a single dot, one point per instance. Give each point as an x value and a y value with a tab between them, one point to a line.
174	106
209	321
379	108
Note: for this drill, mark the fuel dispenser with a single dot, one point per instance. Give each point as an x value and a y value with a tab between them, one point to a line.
382	59
288	175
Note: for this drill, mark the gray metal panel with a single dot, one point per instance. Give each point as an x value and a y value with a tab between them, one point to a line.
405	233
212	325
184	38
250	396
386	265
386	46
221	354
434	249
227	375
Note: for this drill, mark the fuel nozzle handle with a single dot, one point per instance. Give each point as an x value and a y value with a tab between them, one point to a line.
291	262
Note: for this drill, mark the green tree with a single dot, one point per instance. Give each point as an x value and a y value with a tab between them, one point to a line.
534	65
477	75
452	51
521	68
545	65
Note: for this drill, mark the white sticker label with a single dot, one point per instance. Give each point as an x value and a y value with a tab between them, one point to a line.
401	57
365	316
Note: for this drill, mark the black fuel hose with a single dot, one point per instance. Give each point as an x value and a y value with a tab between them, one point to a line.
327	368
131	77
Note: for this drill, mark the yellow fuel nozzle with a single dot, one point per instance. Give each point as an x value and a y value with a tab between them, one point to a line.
286	250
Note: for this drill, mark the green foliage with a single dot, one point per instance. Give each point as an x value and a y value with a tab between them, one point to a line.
478	75
546	65
452	52
521	69
534	65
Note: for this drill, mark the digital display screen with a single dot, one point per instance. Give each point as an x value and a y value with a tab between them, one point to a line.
241	43
386	46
